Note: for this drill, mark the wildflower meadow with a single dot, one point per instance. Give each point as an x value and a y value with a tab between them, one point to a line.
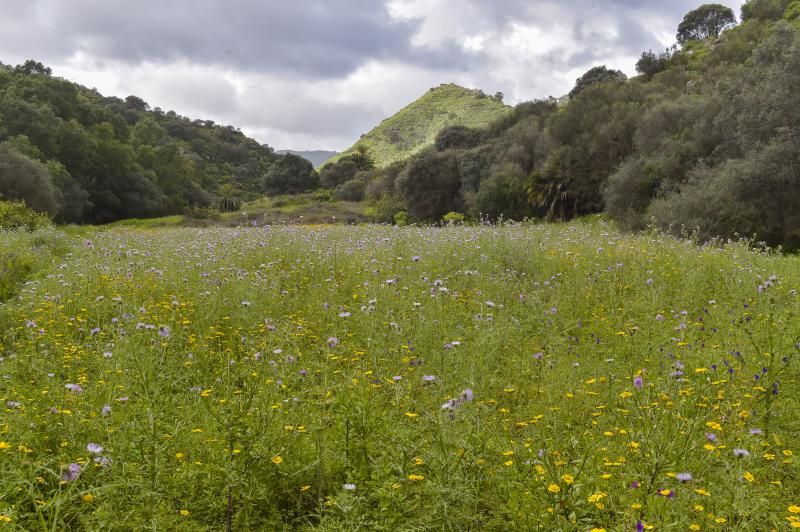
495	377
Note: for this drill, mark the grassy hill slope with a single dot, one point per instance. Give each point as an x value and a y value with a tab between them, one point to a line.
415	126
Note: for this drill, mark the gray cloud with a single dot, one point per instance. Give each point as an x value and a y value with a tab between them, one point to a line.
309	38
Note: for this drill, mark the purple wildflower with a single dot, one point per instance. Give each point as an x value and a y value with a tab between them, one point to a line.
638	382
333	342
74	388
741	453
94	448
164	331
639	526
684	477
71	473
756	432
428	378
710	436
106	410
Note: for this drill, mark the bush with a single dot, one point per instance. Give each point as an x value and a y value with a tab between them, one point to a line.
16	215
453	218
401	219
352	190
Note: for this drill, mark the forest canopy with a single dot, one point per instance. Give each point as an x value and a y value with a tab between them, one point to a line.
85	158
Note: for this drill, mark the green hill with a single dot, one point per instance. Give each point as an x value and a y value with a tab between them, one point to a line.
415	126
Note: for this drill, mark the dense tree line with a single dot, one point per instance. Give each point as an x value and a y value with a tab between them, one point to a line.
707	136
81	157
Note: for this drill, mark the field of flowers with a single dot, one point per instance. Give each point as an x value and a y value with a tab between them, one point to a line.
525	377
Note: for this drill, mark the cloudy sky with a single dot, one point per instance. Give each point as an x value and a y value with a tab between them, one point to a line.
315	74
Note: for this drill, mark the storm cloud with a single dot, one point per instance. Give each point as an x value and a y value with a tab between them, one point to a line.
317	74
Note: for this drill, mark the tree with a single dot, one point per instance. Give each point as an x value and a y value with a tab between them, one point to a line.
136	103
430	185
707	21
334	174
33	67
651	63
765	9
228	202
361	158
290	174
22	178
503	194
598	74
457	137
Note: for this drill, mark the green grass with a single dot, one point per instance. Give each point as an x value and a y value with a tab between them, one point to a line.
299	209
145	223
459	378
24	254
415	127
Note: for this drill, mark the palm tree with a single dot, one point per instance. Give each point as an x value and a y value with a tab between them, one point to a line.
551	195
228	202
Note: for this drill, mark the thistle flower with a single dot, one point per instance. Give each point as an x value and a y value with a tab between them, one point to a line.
71	473
74	388
94	448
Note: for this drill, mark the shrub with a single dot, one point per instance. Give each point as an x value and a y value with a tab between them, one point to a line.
16	215
401	219
453	218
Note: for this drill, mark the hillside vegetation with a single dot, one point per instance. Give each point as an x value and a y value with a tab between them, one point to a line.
81	157
707	137
415	127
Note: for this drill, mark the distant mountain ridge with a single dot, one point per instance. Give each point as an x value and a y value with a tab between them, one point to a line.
316	157
415	127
